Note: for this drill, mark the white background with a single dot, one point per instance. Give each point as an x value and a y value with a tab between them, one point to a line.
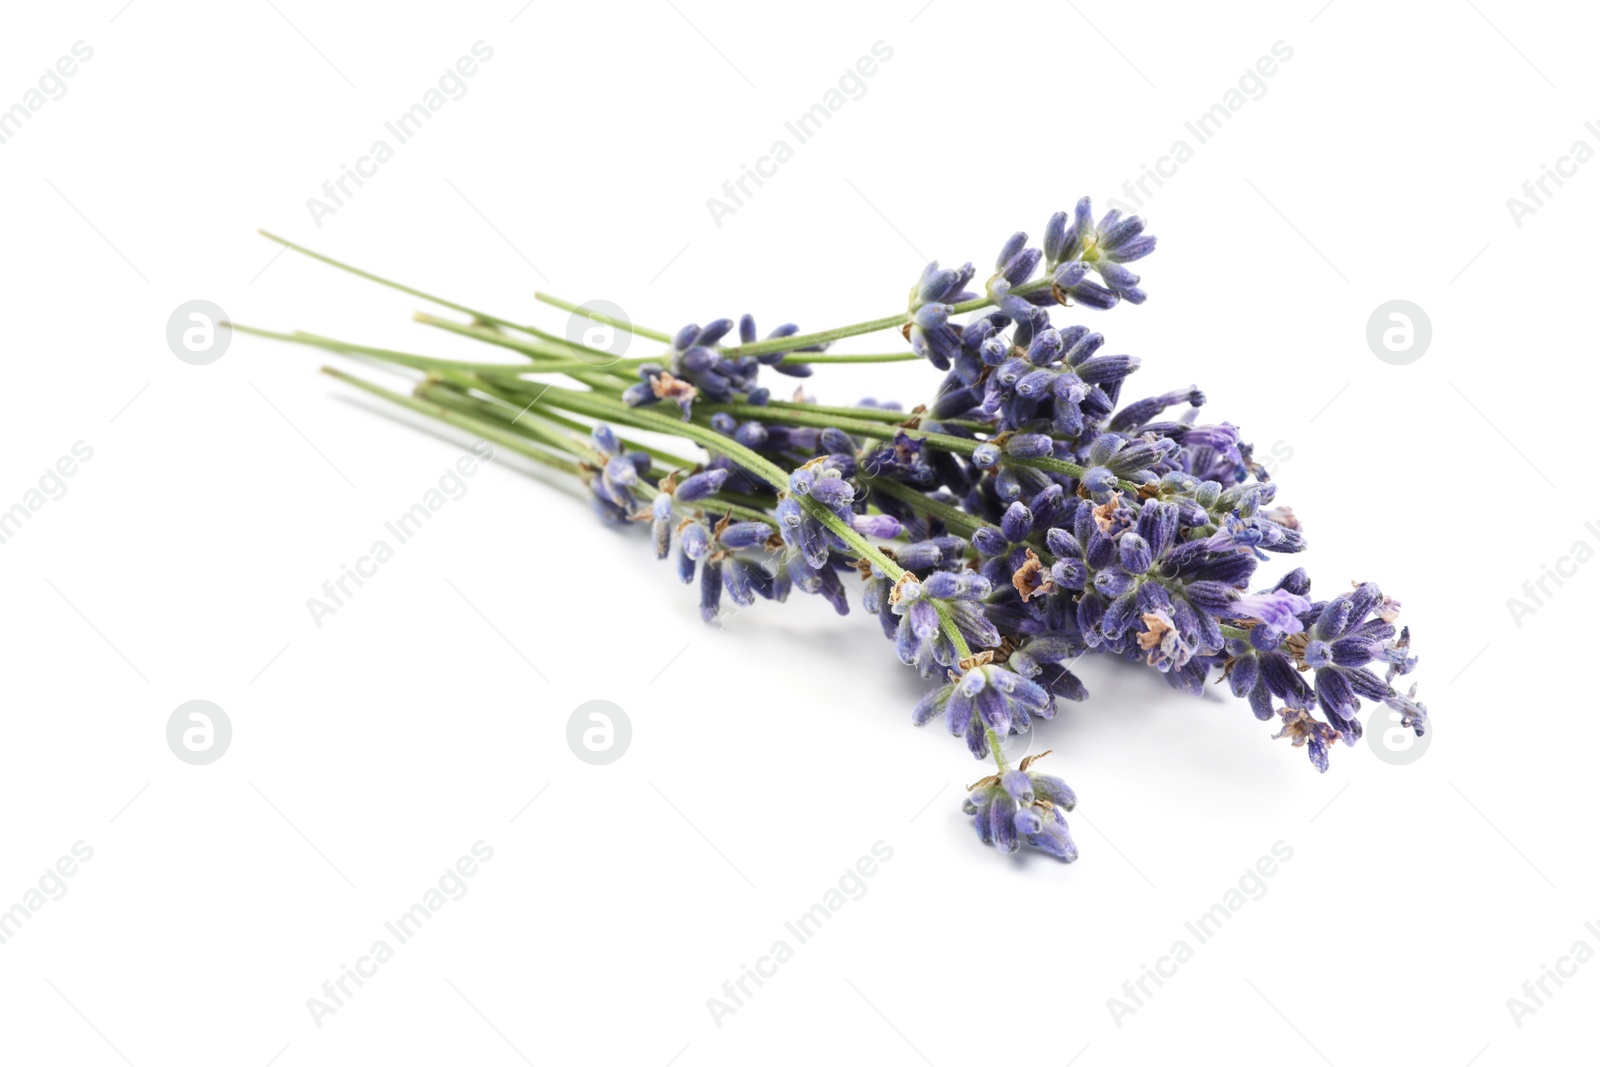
370	753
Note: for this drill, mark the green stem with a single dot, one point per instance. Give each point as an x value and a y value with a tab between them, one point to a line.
459	413
509	372
527	424
672	461
953	632
953	517
388	355
789	344
886	357
864	414
888	322
944	442
581	369
1000	764
718	504
482	316
607	320
460	421
597	406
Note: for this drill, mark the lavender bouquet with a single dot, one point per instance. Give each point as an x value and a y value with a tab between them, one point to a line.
1022	518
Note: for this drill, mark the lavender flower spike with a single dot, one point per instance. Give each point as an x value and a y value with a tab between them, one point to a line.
1019	807
1031	513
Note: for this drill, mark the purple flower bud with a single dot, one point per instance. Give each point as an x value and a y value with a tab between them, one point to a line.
834	440
661	525
710	589
1017	523
1028	821
1099	480
685	337
1135	553
714	332
1029	445
1055	238
737	580
696	360
1069	573
1002	823
1102	369
751	434
699	486
884	526
745	534
1049	787
834	492
621	472
919	555
694	540
931	706
1069	275
1017	784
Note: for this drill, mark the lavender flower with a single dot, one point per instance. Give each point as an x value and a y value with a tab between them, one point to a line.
928	325
1022	519
614	483
1103	247
724	566
1017	807
694	367
775	360
925	606
985	698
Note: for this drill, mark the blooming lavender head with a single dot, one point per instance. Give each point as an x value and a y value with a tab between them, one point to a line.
616	474
1022	807
698	366
928	326
984	699
1024	518
931	608
1080	244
